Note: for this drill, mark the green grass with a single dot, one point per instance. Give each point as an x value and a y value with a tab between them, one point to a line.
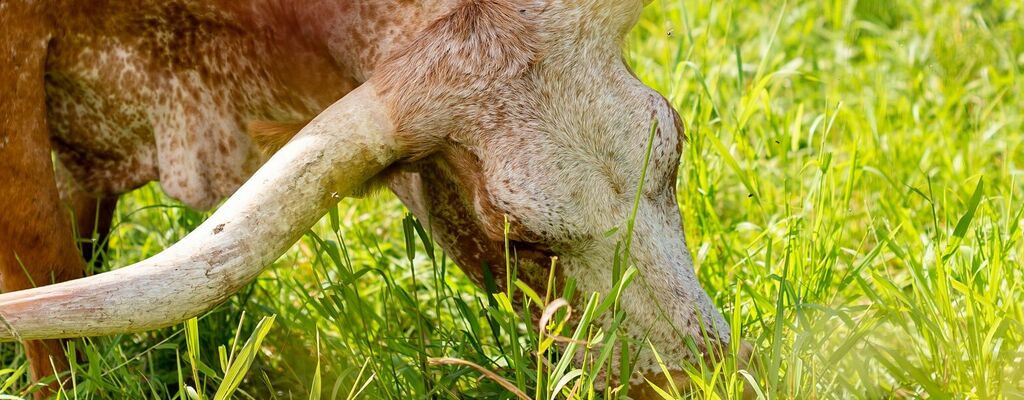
852	190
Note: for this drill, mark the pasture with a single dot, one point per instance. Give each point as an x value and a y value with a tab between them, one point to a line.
852	191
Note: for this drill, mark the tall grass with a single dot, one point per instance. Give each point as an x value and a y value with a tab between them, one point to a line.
851	189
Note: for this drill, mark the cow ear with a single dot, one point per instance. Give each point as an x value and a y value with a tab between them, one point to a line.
271	136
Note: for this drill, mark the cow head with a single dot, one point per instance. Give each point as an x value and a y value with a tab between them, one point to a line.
521	111
528	114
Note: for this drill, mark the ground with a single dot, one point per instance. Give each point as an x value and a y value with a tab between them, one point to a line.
852	191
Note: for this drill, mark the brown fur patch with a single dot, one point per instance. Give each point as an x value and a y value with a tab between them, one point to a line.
271	136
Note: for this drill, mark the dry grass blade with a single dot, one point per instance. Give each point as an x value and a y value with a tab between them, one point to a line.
545	318
487	373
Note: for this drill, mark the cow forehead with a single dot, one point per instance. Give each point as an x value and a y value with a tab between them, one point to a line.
566	171
576	180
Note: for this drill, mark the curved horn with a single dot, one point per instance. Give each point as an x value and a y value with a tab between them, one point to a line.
338	151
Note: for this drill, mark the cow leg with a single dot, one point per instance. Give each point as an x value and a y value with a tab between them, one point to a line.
91	213
36	246
93	216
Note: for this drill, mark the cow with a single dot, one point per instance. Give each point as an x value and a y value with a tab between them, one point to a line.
473	112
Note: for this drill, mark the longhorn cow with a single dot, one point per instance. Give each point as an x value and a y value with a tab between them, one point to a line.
471	111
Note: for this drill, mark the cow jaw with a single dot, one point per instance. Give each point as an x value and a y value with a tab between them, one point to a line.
342	148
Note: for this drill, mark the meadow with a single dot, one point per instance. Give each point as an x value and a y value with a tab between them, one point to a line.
852	190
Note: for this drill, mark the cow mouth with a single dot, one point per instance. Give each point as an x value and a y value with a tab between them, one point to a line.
333	156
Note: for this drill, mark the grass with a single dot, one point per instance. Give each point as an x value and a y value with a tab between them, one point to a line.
852	191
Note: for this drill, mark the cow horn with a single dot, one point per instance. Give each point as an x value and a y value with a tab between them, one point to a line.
338	151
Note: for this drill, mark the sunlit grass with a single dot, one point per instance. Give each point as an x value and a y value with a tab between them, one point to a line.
852	191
